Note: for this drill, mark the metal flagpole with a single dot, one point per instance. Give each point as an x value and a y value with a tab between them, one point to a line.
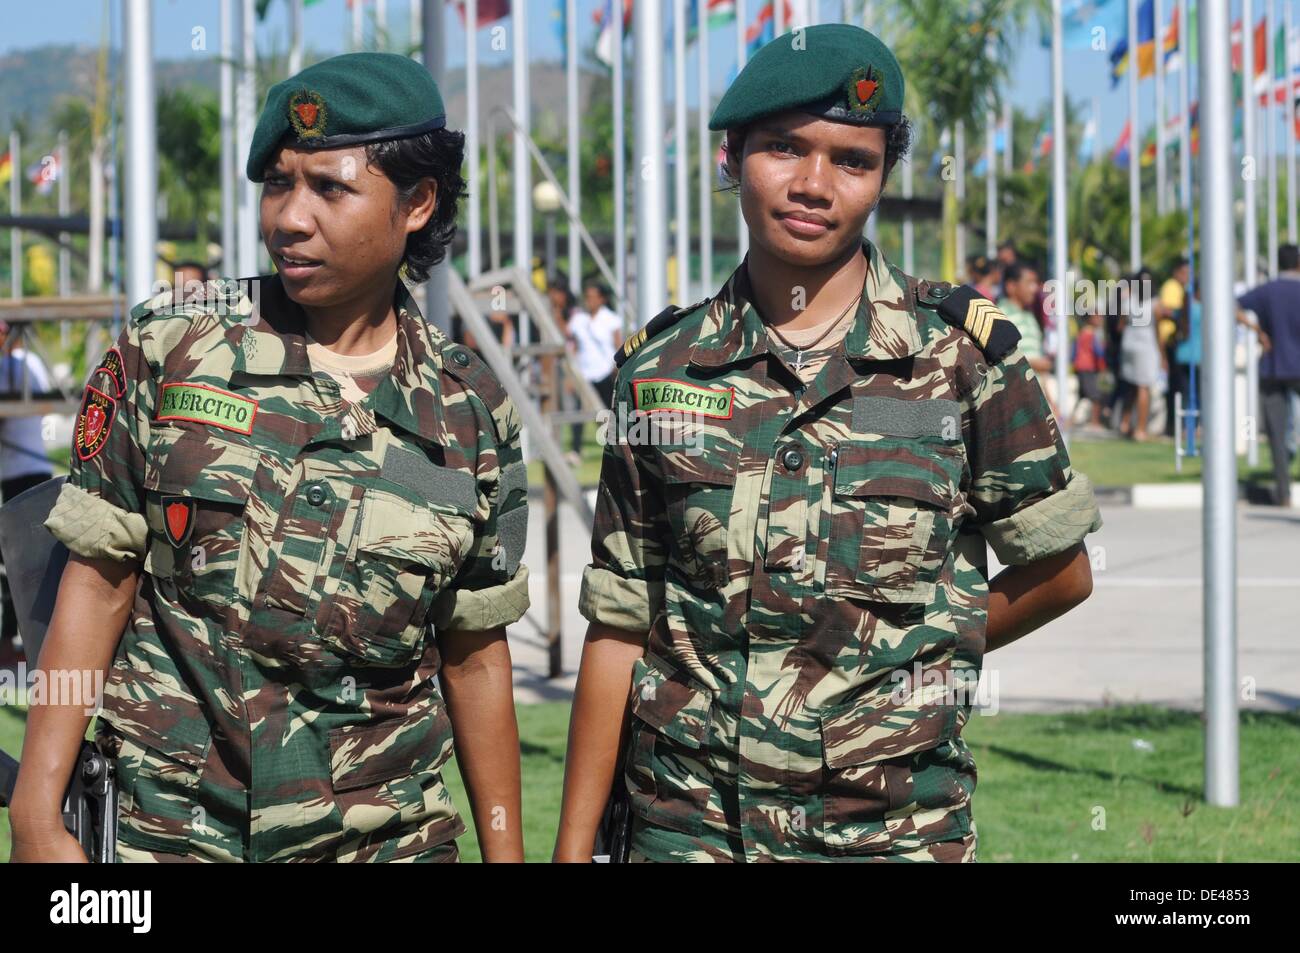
416	41
246	117
991	183
472	125
742	230
522	185
1250	224
1185	94
1288	122
1162	204
620	171
651	193
437	299
1008	141
1270	138
295	37
959	148
909	225
574	156
1135	145
778	17
380	41
65	206
356	24
1220	473
141	151
873	223
681	171
1060	263
229	257
15	209
706	149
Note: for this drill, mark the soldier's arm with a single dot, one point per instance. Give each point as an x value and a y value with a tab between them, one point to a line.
93	603
622	591
476	683
1031	506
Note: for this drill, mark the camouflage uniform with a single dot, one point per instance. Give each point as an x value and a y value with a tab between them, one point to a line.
273	695
795	551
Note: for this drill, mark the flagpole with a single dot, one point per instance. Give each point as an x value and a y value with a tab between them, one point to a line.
681	170
991	184
575	156
381	25
620	170
742	230
227	127
295	37
433	49
1288	123
651	193
873	223
1162	204
1185	94
472	120
1220	472
523	168
140	150
15	209
706	149
1270	137
1060	262
909	225
417	40
245	119
1135	145
959	147
356	25
1250	224
1008	148
65	207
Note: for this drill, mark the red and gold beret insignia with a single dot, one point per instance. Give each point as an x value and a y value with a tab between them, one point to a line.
307	114
864	90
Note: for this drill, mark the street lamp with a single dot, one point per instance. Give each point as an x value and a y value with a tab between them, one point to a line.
547	201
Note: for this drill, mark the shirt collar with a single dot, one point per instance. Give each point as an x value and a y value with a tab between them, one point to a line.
274	343
884	328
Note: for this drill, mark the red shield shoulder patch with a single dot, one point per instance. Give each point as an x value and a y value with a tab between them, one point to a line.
178	518
94	421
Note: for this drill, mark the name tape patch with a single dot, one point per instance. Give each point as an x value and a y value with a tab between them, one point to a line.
207	405
650	394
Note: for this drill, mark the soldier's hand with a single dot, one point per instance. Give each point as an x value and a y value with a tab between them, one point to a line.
46	847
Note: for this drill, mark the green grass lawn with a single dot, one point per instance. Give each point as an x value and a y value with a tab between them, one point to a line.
1051	787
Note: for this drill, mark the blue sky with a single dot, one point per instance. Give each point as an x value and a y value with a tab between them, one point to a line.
327	25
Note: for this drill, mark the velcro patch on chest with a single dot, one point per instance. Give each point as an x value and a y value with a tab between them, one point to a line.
651	394
207	405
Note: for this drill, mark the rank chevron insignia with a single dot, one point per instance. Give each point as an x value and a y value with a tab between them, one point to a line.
966	308
980	315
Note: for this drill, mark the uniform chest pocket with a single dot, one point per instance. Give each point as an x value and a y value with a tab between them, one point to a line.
198	487
891	518
699	482
403	553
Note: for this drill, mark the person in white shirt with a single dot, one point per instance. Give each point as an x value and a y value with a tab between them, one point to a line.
595	333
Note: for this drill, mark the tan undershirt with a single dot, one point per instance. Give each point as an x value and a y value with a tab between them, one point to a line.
356	374
813	360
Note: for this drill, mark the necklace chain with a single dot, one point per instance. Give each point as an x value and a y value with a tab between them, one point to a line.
798	351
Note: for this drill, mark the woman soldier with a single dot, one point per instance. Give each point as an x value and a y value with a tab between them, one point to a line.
789	589
275	490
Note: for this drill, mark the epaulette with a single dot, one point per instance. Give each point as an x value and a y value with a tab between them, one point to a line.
220	295
664	319
964	307
464	364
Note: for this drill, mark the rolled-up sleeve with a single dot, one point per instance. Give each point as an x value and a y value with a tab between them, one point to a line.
99	511
623	586
1028	501
491	589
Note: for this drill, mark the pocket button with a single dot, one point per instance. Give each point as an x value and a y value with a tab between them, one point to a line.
316	494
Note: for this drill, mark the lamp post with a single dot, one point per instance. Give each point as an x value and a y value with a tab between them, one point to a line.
546	199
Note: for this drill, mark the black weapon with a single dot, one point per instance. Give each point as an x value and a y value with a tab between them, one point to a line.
34	562
614	835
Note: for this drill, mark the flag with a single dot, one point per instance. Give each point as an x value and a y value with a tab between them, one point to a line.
1170	44
605	20
1079	18
763	30
1088	142
1042	148
1146	46
6	169
1120	153
43	174
720	12
487	12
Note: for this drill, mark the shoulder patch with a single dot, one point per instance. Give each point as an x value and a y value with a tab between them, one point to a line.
660	322
964	307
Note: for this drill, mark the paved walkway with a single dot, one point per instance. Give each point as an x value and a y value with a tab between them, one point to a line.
1138	638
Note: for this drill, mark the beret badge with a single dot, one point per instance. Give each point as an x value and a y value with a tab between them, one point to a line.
307	114
864	91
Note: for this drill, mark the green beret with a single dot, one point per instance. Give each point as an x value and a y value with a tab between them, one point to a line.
346	100
834	70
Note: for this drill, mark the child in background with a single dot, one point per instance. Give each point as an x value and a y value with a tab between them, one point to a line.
1089	363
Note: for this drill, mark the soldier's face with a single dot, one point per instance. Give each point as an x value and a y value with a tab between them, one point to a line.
808	185
332	224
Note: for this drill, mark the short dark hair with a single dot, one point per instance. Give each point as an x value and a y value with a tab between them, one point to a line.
591	283
1016	270
898	143
1288	257
407	162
